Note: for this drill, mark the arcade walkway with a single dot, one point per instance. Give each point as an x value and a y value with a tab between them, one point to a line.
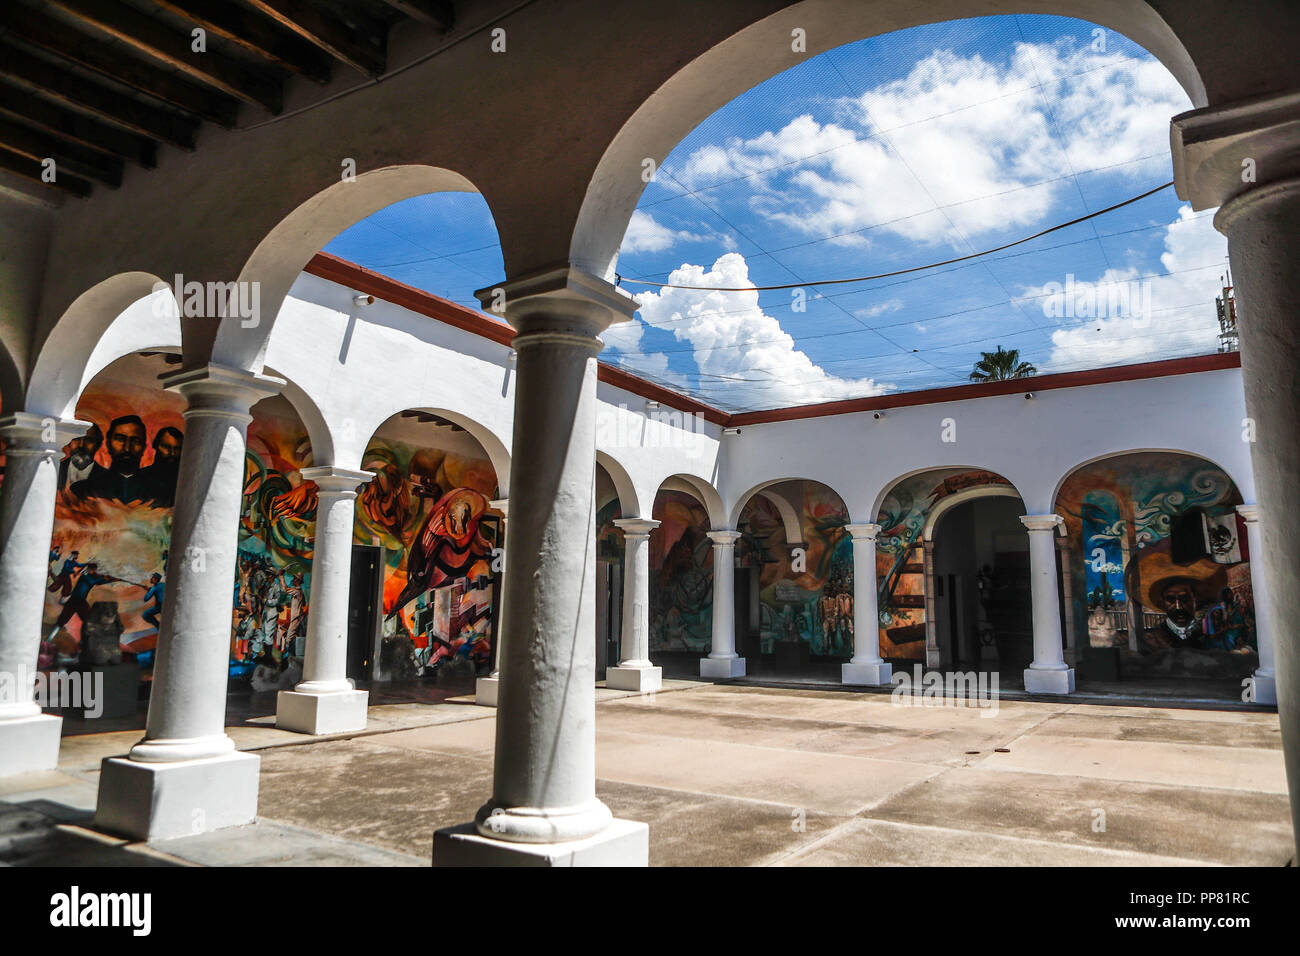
730	775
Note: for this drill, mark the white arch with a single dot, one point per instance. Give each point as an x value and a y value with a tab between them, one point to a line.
629	503
789	516
894	483
702	491
279	258
944	505
762	49
495	449
115	318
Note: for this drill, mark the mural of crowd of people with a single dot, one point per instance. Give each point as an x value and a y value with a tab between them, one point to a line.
805	595
108	556
429	510
1162	572
805	598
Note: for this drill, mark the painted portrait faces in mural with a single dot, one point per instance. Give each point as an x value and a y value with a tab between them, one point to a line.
1163	576
430	512
112	525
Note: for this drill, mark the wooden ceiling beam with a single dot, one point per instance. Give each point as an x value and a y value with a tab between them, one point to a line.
30	169
363	47
255	34
154	39
71	125
109	105
436	13
55	37
41	146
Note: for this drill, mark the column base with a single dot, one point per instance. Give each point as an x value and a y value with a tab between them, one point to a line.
866	675
643	680
722	668
486	691
29	743
335	713
933	657
622	843
1265	689
1049	682
157	801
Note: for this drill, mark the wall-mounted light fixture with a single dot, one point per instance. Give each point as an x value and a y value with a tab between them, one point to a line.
1029	394
731	431
362	299
878	416
651	404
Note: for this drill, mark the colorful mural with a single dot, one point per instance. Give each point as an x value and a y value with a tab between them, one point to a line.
681	575
112	525
900	561
1159	567
804	597
277	527
429	510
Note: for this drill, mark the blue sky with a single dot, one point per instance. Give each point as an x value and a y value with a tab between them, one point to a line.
889	153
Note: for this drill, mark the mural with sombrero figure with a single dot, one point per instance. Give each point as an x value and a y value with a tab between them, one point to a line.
1160	568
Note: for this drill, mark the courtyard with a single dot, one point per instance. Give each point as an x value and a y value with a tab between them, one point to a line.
742	776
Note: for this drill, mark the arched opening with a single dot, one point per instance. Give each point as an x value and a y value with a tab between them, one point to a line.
794	582
110	547
952	565
681	575
1159	565
427	558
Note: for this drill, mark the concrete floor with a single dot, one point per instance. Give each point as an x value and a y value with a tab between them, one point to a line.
738	775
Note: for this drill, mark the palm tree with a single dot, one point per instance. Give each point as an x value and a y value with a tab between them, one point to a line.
1001	365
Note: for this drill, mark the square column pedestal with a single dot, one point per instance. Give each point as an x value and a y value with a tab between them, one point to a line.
723	668
1049	682
866	675
643	680
486	690
157	801
335	713
1265	689
622	843
29	743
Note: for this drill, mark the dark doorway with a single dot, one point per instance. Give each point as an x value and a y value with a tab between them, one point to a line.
983	614
363	609
609	614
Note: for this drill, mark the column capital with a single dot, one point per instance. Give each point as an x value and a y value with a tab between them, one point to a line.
502	505
25	433
724	538
559	300
1041	522
217	390
1211	144
331	479
636	526
1249	512
863	532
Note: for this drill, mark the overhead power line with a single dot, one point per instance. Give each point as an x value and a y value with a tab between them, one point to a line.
899	272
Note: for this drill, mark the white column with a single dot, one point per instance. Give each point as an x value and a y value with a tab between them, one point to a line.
185	776
544	809
722	661
1263	229
933	653
29	739
487	690
1048	674
326	701
1265	676
634	671
866	666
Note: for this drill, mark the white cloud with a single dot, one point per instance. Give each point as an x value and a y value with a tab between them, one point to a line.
969	130
1179	318
892	305
646	234
743	354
